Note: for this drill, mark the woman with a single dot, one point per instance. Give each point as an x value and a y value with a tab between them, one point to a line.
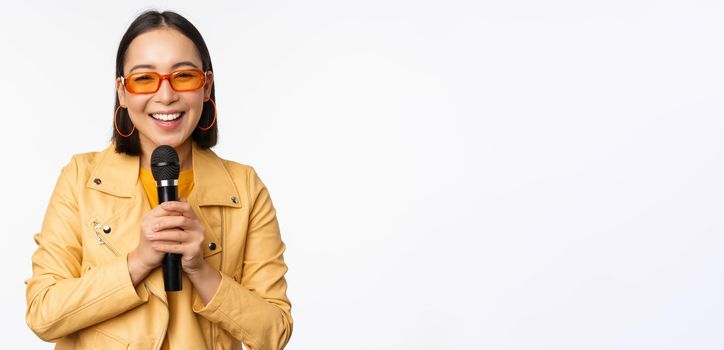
97	281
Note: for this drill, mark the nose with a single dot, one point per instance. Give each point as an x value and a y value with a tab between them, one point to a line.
165	93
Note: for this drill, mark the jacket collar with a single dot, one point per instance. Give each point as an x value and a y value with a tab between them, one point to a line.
117	174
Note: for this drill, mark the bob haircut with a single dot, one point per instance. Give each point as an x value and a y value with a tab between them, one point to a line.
145	22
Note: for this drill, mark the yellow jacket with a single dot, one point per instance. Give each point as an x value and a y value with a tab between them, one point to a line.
81	295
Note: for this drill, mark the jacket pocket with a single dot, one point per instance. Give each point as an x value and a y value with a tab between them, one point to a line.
107	341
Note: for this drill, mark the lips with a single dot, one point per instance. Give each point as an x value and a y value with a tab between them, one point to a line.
166	117
167	121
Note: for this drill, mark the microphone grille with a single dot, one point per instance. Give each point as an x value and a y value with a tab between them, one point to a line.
164	163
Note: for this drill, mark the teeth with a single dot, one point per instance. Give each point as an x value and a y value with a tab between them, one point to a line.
166	117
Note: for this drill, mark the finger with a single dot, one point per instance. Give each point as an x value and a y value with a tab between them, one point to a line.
169	247
181	207
165	243
169	235
161	211
170	222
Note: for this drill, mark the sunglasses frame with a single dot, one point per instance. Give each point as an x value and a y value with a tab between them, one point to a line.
162	77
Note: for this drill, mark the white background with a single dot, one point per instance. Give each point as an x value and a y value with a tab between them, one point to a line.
447	174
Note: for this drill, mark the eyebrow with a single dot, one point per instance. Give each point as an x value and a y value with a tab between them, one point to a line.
150	66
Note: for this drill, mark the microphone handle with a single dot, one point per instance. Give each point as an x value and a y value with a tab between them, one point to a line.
171	262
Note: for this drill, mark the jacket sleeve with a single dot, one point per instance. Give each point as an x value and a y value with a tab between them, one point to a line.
255	310
59	300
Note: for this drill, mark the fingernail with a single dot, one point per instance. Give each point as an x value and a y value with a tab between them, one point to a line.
150	235
156	226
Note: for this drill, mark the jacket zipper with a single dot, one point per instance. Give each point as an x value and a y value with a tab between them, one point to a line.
223	223
165	329
221	264
165	324
96	227
168	315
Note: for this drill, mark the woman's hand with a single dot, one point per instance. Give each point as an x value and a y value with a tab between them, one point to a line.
183	233
179	231
143	259
173	227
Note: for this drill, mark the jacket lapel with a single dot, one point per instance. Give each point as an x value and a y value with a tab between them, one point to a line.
115	174
213	190
213	185
116	212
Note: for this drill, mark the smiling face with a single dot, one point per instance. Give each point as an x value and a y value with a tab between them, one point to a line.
165	117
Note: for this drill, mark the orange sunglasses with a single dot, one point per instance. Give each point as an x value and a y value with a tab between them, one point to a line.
150	82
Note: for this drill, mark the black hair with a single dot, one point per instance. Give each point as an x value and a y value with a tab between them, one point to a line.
145	22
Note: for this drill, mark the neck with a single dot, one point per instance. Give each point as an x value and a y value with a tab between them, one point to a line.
183	150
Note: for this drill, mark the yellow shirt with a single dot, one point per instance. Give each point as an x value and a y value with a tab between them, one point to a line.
185	185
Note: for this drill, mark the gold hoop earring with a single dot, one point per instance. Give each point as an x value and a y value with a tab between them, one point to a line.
213	121
115	124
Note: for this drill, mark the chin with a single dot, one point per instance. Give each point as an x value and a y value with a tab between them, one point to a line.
173	141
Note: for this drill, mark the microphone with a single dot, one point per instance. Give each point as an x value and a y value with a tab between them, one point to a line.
165	168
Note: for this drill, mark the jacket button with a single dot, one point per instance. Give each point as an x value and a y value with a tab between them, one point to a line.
234	199
97	181
106	229
212	246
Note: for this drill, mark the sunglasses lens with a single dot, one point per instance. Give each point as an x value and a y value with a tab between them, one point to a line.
142	82
187	80
149	82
